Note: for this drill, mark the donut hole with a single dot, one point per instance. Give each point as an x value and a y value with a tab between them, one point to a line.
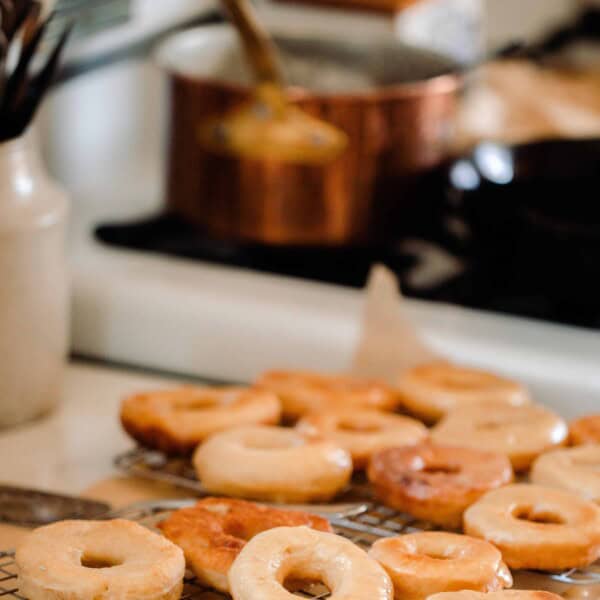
544	517
97	561
302	587
437	555
355	427
441	469
460	379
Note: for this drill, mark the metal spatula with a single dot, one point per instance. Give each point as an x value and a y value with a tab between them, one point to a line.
21	506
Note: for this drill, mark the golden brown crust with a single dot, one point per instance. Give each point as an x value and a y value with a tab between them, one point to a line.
362	432
574	469
176	421
274	464
585	430
304	392
73	559
537	527
520	432
425	563
213	532
302	554
436	483
432	390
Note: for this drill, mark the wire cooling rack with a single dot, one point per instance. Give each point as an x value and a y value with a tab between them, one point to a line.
362	529
356	517
364	526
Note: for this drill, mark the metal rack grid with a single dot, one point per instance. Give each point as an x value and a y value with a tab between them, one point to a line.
8	576
356	517
362	527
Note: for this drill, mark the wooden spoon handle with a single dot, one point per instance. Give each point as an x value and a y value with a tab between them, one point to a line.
258	44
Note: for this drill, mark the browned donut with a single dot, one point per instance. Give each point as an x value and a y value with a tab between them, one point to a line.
176	421
213	532
428	562
436	483
97	560
585	430
520	432
362	432
573	469
303	392
431	391
276	464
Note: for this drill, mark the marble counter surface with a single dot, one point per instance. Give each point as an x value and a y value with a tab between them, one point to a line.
73	447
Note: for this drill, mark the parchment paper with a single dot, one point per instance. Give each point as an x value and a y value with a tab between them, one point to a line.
389	342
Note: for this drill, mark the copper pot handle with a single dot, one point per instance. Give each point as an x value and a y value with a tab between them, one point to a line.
258	44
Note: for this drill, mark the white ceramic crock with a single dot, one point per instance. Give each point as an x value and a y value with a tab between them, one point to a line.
33	284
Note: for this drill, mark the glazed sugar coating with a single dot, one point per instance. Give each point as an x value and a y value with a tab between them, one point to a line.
537	527
176	421
299	553
573	469
89	560
432	390
436	483
304	392
520	432
585	430
421	564
213	532
363	432
275	464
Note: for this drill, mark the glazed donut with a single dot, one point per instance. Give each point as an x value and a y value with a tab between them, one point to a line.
432	390
564	587
503	595
537	527
585	430
283	555
176	421
436	483
272	463
362	432
520	432
573	469
99	560
421	564
302	392
213	532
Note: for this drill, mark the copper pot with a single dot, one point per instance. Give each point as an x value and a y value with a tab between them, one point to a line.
397	131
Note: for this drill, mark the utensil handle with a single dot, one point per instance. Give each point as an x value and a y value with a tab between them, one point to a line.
257	42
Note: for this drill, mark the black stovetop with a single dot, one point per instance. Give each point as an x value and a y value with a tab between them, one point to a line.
530	291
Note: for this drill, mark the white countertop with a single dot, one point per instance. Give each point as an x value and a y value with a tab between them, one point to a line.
74	446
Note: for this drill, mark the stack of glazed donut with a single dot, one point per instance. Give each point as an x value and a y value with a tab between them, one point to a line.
442	444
